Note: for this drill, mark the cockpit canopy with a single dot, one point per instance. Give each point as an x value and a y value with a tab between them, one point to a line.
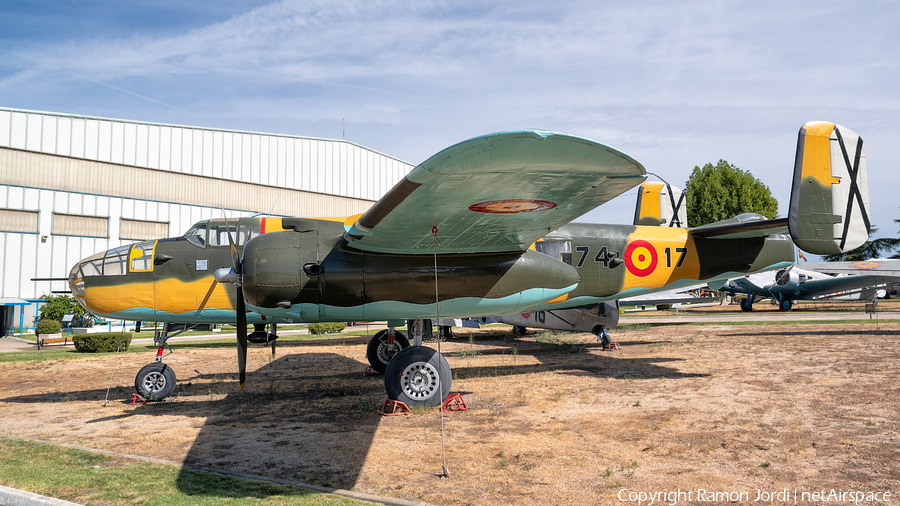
215	233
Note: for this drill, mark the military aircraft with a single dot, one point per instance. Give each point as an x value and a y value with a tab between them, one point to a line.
810	282
480	228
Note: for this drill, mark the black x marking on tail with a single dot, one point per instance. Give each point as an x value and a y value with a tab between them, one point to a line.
855	194
675	222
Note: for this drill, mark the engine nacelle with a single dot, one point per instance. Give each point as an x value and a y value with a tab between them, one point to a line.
788	278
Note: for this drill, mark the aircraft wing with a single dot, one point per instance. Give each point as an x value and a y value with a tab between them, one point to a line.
676	296
498	192
743	285
815	288
890	268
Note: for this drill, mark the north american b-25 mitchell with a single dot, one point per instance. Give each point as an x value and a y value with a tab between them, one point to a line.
481	228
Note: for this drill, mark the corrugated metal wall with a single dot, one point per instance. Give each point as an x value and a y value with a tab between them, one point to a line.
38	170
334	167
44	255
63	178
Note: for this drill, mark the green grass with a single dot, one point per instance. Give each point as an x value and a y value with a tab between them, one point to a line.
88	478
52	353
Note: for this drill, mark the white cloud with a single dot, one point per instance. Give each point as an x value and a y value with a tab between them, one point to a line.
673	84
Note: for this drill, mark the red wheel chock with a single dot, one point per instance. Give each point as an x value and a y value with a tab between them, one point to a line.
372	372
454	402
612	347
137	400
394	408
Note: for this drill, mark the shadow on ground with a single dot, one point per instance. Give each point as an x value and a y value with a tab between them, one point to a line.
311	416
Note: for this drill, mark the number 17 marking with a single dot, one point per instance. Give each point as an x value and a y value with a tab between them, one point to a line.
668	252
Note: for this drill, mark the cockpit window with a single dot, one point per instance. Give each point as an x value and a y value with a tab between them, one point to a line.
116	261
197	234
218	233
248	231
93	265
142	256
560	250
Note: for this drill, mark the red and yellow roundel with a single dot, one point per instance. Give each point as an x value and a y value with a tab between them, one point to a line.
512	206
865	265
640	258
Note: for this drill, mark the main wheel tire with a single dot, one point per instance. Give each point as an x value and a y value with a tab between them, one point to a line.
417	376
786	305
746	305
155	381
379	352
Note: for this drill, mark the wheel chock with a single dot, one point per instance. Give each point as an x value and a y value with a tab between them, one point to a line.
372	372
612	347
454	402
137	400
394	408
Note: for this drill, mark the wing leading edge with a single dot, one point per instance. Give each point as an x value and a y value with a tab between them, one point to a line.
498	192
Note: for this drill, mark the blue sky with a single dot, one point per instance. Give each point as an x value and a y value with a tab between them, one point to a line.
673	84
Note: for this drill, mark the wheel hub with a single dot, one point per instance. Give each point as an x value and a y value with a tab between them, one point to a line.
420	381
387	351
154	382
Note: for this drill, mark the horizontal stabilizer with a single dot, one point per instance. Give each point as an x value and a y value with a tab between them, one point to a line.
829	210
742	226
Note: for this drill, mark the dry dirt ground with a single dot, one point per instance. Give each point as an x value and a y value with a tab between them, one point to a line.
551	420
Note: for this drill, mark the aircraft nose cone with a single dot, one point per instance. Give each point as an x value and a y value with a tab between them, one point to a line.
76	284
83	269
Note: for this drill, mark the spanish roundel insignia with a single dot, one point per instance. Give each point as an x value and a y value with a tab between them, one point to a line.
865	265
640	258
512	206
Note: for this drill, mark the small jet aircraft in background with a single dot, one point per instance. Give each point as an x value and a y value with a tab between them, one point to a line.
813	281
481	228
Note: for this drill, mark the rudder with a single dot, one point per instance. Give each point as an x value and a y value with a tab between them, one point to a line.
660	205
829	210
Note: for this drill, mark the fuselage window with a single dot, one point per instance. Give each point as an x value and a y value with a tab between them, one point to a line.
560	250
197	235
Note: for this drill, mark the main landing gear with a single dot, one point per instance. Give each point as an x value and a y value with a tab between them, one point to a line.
418	376
415	375
602	334
747	304
383	347
156	380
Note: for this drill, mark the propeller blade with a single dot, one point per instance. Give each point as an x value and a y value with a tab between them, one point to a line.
241	308
241	337
235	258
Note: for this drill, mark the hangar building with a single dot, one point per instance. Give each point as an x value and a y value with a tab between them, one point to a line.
71	186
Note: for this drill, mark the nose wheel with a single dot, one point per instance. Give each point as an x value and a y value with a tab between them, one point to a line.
155	381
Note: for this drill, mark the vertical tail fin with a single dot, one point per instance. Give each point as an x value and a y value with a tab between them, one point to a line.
660	205
829	210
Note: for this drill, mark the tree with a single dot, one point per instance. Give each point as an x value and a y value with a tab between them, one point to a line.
723	191
59	305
